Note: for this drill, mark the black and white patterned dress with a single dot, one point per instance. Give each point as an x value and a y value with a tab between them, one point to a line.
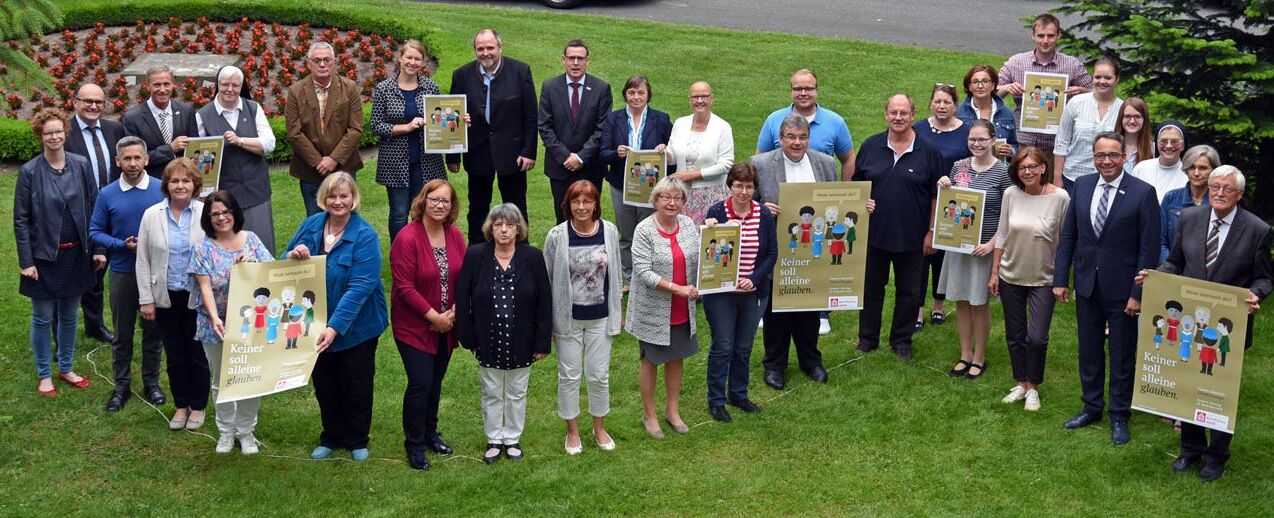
503	282
388	109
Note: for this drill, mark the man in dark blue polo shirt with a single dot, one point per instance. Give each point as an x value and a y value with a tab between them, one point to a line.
904	172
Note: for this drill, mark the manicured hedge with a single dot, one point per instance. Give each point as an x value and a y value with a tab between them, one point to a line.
17	142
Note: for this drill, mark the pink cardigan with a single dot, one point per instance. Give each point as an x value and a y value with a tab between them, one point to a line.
416	289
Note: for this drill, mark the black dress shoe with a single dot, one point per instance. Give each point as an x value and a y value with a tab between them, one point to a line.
492	453
436	445
775	380
1081	420
117	400
1184	461
718	413
817	373
417	460
155	395
1211	472
745	405
514	446
1119	432
903	353
864	347
102	335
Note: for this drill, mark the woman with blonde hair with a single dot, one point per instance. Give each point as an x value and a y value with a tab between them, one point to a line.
357	315
661	304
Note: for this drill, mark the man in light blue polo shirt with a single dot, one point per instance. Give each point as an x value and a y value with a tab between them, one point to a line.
828	134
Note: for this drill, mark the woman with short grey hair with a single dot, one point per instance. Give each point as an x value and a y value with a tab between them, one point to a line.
1198	162
504	314
663	284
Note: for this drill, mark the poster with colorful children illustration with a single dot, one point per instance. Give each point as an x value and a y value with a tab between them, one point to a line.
957	224
271	330
642	170
718	261
822	244
445	131
205	152
1043	102
1190	340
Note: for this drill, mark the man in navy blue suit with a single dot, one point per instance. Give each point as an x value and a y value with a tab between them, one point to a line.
1108	236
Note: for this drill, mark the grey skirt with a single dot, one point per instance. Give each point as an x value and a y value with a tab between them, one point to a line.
964	277
682	345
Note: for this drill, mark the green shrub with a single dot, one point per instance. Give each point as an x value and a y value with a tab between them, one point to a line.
17	142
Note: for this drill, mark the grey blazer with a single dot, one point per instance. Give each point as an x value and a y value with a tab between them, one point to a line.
1244	258
557	246
649	308
770	172
152	252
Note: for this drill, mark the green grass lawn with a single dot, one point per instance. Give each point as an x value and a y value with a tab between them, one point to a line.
880	438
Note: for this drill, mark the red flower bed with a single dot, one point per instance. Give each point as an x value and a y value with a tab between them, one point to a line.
272	57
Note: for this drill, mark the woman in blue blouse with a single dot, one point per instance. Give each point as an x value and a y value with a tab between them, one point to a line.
950	135
634	127
1198	162
357	314
982	103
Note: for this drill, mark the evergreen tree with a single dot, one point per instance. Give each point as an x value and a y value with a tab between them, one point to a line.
1209	65
19	20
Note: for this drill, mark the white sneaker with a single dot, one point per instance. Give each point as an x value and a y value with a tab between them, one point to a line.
1032	400
824	327
1015	394
248	444
760	324
225	443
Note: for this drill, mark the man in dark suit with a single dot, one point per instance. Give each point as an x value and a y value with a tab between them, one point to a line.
1220	242
573	107
89	135
164	123
502	147
324	116
1110	232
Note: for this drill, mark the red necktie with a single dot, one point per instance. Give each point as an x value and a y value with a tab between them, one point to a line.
575	101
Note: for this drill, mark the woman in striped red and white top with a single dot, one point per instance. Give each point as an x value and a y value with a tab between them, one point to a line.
733	316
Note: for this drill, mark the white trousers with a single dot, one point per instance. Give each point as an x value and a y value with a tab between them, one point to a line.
237	418
504	403
586	350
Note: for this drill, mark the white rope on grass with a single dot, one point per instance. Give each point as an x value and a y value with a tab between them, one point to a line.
261	443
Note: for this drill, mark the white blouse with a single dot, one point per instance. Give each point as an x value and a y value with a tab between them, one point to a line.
711	151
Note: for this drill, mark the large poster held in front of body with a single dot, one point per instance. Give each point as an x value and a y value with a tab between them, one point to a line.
822	245
1190	339
274	315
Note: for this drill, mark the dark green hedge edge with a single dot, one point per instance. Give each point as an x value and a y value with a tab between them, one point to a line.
18	142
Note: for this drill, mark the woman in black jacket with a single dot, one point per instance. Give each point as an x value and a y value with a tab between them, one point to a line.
504	314
51	210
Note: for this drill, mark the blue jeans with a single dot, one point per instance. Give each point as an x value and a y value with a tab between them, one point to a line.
309	194
42	312
732	319
400	199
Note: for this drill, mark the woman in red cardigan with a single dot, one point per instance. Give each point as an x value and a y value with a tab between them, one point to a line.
425	259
